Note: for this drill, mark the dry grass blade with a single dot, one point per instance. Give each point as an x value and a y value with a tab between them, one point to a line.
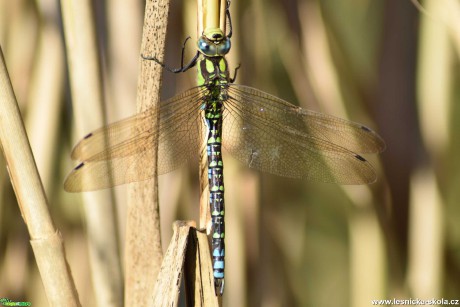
45	240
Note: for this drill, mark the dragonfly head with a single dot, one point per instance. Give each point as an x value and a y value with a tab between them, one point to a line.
213	43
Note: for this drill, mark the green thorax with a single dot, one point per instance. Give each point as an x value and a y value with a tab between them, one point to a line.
212	66
212	71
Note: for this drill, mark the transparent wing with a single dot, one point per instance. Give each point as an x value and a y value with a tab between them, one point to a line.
272	135
123	151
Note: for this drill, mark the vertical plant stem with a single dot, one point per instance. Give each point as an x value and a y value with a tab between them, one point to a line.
209	16
124	29
143	238
124	20
45	95
45	239
187	257
87	95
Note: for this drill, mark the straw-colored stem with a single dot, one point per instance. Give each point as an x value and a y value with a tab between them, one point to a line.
46	241
205	213
425	273
210	15
143	238
124	39
87	96
168	285
187	257
45	95
453	9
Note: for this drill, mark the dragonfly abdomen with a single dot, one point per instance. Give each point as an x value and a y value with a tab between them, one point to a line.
213	115
213	74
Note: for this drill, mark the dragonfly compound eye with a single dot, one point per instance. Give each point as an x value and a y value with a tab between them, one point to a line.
224	47
206	47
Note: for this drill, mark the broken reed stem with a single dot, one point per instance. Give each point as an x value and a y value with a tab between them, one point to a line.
46	241
187	257
88	106
168	284
143	251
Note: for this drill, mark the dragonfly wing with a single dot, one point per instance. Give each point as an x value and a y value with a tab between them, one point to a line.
102	174
180	130
123	151
95	145
347	134
271	135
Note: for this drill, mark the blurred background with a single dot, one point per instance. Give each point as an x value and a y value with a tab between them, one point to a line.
392	65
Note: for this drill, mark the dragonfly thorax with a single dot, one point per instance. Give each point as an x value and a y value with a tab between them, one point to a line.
213	71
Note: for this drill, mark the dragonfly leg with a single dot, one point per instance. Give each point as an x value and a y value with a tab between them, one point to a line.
227	12
234	73
182	56
182	68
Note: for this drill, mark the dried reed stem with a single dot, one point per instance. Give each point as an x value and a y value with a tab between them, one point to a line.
45	239
87	95
143	241
190	248
211	14
45	95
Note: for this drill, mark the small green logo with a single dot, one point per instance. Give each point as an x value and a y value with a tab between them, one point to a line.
7	302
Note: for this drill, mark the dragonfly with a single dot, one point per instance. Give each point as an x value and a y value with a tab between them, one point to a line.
262	131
